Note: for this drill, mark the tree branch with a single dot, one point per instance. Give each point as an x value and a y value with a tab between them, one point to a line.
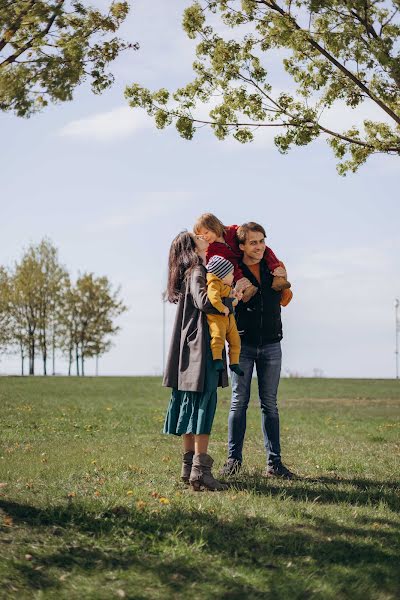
15	26
395	149
28	44
274	6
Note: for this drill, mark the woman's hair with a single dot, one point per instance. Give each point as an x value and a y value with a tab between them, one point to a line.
182	259
210	222
244	229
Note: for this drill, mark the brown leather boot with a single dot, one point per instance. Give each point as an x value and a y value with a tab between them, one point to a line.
187	460
280	283
201	477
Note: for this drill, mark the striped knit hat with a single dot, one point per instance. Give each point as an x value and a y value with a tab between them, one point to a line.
219	266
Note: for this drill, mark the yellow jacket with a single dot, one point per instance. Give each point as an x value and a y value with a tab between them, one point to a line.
216	290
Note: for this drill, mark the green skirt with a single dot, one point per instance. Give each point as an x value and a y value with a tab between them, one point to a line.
193	412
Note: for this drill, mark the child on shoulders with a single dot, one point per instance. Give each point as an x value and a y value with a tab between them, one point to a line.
223	242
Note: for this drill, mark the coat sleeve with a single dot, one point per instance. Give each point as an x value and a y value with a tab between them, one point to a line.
214	295
198	291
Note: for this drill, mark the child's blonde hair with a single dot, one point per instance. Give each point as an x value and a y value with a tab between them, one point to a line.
210	222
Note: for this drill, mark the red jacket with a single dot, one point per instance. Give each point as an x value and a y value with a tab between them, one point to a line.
231	251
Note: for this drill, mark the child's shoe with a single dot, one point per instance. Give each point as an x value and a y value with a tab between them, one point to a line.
218	364
280	283
236	369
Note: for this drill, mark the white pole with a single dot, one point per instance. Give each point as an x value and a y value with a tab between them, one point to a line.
163	334
397	323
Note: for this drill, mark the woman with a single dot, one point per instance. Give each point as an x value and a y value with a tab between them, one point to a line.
190	371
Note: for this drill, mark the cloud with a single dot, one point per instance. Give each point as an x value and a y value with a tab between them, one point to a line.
153	206
115	124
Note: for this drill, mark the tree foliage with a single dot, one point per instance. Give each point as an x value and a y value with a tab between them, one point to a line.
333	50
86	320
48	47
42	311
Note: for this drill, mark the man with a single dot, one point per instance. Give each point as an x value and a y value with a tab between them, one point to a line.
259	323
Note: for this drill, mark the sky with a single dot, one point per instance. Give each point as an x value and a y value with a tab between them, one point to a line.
111	192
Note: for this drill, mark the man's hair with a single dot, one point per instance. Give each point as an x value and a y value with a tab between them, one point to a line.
244	229
210	222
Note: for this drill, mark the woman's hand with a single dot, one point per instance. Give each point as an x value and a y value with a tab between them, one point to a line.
249	293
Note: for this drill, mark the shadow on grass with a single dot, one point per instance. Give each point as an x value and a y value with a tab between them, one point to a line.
177	548
326	490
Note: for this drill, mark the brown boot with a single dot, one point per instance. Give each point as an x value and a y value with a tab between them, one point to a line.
201	477
280	283
187	460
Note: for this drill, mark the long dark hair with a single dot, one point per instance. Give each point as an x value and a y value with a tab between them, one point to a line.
182	259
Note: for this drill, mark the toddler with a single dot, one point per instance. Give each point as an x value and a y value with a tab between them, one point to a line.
223	326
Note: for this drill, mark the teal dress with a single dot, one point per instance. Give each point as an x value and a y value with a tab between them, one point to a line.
193	412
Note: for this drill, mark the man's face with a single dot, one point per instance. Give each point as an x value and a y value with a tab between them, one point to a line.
254	246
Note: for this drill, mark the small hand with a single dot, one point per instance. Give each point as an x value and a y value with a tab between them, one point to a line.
226	311
236	294
239	295
235	302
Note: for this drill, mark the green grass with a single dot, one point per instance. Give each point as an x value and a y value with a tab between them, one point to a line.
93	507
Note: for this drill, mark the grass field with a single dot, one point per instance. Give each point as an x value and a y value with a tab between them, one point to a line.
91	505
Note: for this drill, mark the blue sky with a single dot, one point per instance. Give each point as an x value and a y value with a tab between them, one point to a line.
111	192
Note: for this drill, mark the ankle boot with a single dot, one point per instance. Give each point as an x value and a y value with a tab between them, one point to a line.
187	460
201	477
280	283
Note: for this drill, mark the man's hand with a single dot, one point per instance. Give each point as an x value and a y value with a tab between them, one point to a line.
242	284
280	272
249	293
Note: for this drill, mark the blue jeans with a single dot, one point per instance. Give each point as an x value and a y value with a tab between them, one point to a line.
268	359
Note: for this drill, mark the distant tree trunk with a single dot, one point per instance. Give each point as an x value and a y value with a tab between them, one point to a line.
69	360
44	359
22	359
77	359
31	353
82	364
53	353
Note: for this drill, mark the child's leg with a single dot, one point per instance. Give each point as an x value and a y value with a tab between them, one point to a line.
233	338
217	325
280	283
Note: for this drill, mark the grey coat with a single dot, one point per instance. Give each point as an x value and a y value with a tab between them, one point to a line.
186	363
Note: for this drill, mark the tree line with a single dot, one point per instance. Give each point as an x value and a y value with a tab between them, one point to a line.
43	311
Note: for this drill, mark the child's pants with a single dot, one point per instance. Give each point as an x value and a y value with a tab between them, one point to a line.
224	328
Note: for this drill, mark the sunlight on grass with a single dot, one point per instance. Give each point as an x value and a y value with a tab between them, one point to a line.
91	505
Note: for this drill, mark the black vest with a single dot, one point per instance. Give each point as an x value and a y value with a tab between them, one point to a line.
259	319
